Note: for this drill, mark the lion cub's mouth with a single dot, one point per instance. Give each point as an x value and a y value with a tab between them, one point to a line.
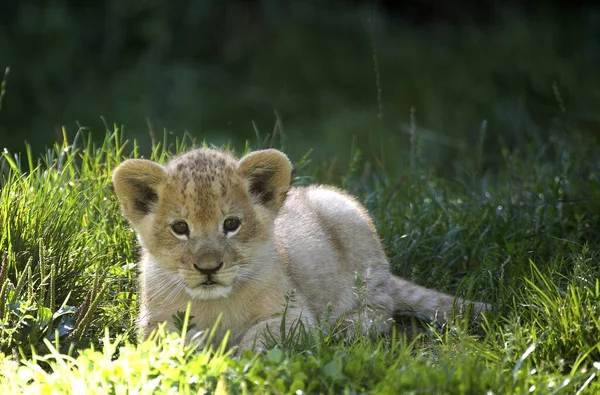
206	287
209	290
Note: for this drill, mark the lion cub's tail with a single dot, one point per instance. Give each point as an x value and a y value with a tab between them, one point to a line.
412	299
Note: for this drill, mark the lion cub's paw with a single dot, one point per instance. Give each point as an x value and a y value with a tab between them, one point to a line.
249	343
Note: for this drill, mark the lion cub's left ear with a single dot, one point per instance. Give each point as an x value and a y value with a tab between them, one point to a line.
269	173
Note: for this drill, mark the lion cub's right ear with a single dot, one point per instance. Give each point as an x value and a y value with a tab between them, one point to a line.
137	183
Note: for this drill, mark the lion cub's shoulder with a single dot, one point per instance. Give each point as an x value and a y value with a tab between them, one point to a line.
326	202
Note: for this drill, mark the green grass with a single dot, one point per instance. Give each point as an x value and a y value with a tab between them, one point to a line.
523	236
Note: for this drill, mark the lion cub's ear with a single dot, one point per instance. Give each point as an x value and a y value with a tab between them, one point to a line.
136	183
269	173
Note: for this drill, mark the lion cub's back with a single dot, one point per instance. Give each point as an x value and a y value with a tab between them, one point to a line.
328	236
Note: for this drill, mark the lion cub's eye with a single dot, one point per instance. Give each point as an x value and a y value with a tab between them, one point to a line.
231	224
180	228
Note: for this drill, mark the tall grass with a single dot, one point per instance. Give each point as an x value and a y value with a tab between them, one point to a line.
68	259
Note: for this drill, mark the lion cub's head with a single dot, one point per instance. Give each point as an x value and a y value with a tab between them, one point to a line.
206	217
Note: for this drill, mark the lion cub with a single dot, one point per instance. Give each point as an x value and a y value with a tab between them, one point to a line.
231	237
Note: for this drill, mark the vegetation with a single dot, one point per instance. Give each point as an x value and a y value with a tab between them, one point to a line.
523	237
213	68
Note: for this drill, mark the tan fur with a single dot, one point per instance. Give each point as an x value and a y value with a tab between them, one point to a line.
309	242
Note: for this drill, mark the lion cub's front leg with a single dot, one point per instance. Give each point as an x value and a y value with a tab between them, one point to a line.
257	336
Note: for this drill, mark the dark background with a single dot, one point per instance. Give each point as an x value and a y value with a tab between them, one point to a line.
331	71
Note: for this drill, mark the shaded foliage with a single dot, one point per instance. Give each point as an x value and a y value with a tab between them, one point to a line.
331	71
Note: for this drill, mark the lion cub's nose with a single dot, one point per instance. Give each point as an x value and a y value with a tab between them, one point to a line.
208	272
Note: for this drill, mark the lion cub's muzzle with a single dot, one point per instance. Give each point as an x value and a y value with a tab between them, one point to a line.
209	279
208	272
